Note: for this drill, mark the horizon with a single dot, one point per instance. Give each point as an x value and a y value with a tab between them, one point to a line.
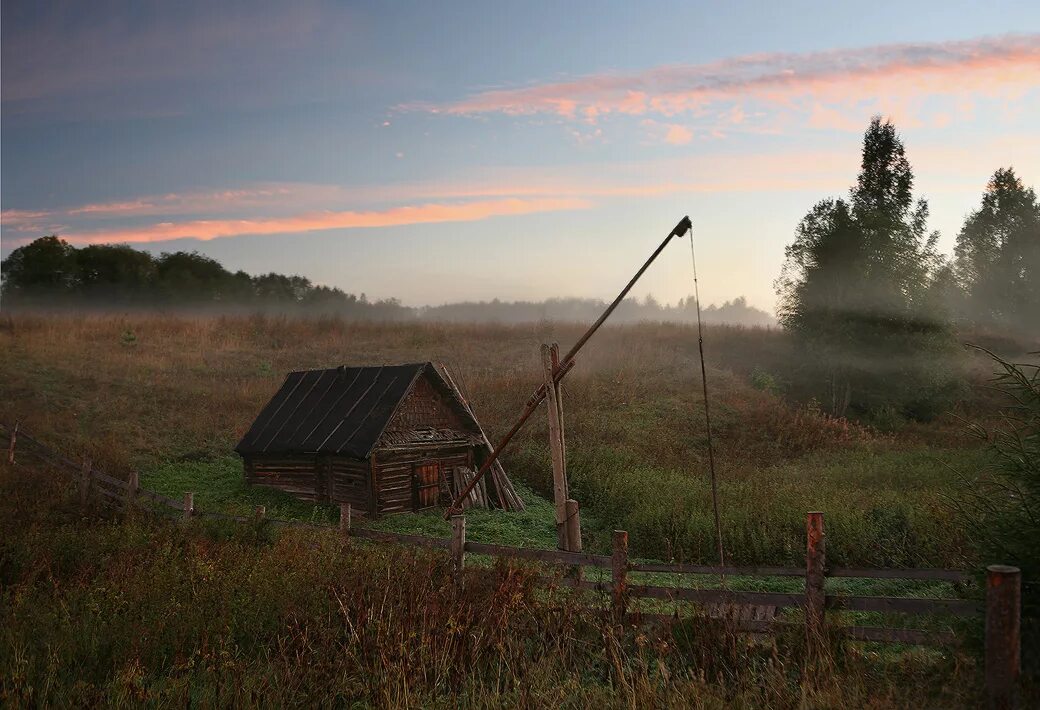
430	155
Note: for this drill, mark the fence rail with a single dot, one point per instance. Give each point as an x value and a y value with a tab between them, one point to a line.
1001	608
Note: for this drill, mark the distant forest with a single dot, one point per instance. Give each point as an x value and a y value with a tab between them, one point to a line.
51	273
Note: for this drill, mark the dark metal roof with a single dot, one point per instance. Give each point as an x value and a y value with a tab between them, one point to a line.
339	411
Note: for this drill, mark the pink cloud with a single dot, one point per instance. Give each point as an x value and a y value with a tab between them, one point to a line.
13	217
678	135
993	66
205	230
184	203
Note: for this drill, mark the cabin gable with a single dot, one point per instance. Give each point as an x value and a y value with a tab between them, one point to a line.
429	414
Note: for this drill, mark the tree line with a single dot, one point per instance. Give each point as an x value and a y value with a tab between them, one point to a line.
873	305
50	272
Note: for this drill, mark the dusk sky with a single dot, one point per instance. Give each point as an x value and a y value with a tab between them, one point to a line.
446	151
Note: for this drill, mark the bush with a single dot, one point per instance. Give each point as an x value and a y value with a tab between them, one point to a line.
1002	504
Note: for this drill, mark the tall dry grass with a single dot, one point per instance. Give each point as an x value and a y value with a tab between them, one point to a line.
139	612
148	391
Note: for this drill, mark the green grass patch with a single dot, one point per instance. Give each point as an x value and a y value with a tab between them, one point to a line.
219	486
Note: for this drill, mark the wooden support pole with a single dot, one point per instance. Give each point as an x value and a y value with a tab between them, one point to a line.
554	354
344	519
815	562
189	506
10	448
84	484
573	526
261	511
1003	639
556	451
458	546
132	487
619	574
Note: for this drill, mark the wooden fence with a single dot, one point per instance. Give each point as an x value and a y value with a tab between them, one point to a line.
1001	609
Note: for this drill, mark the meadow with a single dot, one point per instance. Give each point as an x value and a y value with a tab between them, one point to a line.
251	616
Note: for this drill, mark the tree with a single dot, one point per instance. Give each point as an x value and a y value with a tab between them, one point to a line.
45	267
115	272
186	277
859	286
998	256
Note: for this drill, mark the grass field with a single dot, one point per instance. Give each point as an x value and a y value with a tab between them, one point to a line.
169	397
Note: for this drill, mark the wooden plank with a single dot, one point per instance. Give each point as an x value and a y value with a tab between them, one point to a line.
889	635
107	493
112	481
401	539
945	575
716	570
904	605
159	498
554	556
716	596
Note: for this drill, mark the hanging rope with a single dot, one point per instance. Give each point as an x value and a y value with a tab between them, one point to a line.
707	415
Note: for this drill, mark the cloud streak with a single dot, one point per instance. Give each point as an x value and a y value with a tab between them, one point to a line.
986	66
205	230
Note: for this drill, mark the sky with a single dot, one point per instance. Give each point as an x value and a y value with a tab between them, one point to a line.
437	152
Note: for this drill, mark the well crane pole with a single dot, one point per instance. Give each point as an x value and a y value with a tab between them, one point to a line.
566	363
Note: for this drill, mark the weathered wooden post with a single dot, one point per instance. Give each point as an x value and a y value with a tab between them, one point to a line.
132	486
619	574
10	448
458	546
261	511
189	506
84	484
554	356
1003	640
573	526
344	519
556	450
815	561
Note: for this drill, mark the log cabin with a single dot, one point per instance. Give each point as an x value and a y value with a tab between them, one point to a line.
385	439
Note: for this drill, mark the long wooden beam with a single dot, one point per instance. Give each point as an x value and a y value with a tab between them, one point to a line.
566	363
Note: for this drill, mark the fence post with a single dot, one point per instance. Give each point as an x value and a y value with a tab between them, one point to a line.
458	546
84	483
189	506
573	526
10	449
1003	641
344	519
261	511
815	561
619	573
132	486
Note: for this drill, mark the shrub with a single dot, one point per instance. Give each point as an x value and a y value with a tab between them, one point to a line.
1002	504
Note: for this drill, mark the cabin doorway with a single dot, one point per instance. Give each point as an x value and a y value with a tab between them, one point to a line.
426	485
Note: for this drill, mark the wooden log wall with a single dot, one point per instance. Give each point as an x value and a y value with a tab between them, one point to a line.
313	479
296	475
350	482
395	467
